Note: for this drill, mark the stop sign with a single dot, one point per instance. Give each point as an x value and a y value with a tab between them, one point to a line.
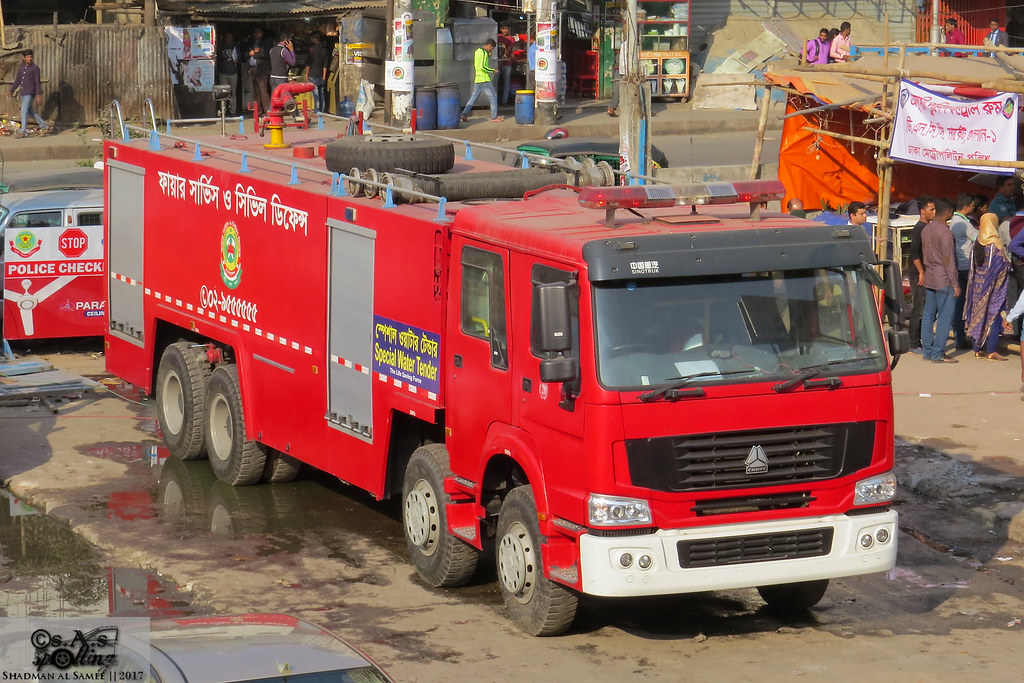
73	243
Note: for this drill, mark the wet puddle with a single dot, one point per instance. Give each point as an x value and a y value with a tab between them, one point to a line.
50	571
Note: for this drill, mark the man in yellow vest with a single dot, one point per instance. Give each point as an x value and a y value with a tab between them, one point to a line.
482	81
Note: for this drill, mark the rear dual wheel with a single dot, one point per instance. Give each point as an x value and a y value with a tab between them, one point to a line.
181	384
235	459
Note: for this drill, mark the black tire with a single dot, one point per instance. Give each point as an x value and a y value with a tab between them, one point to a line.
279	467
794	596
442	560
537	605
386	153
234	459
181	399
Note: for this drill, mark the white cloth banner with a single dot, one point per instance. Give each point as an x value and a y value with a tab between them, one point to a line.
935	130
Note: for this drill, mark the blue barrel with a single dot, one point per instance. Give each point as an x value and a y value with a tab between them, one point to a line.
426	108
449	105
524	107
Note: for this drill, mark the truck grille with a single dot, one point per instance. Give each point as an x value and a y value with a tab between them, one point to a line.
715	552
751	458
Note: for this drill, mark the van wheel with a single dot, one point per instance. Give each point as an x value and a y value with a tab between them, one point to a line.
234	459
279	467
537	605
181	399
441	559
794	596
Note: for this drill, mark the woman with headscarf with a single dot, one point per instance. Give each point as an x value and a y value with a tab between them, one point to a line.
986	289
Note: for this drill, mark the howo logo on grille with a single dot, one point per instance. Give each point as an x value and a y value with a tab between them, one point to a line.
757	461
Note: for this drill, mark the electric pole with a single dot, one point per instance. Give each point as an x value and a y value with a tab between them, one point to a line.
634	102
546	73
398	70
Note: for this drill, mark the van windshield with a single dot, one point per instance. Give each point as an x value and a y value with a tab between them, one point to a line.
736	328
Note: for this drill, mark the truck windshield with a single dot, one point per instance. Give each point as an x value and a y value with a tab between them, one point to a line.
736	328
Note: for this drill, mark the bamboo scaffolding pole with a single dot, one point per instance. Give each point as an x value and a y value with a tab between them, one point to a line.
993	163
881	144
834	105
947	46
762	125
853	69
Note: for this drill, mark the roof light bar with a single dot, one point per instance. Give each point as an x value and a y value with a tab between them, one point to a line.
653	196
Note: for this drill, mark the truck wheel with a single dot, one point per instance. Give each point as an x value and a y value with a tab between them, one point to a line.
280	467
537	605
181	398
234	459
794	596
441	559
389	152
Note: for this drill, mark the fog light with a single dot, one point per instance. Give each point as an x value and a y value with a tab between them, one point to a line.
645	562
625	559
867	540
882	535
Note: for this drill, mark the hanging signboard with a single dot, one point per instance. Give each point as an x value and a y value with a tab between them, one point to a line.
932	129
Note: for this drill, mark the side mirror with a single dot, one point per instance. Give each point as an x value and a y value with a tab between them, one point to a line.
551	327
899	342
893	288
558	370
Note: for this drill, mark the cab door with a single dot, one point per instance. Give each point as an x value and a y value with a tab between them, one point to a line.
479	392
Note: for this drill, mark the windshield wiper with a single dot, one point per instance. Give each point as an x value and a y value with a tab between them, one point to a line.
813	370
671	390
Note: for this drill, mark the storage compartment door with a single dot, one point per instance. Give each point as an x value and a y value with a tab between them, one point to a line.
350	329
126	195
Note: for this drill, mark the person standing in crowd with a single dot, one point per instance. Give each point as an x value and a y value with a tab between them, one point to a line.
996	36
986	290
926	209
282	58
1002	205
940	283
227	67
840	48
954	36
795	207
482	81
259	70
858	213
816	49
963	237
506	46
316	71
31	87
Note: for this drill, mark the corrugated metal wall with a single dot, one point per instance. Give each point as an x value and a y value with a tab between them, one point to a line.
85	66
707	15
971	15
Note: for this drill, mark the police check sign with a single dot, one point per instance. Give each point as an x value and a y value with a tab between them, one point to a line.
932	129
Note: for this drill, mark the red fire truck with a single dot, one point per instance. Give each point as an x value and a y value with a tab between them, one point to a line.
620	391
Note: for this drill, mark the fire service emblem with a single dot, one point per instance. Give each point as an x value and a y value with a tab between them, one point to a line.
230	264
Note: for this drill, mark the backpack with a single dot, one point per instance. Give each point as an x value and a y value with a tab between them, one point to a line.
812	50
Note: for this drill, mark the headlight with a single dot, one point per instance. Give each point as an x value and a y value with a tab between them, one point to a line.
615	511
880	489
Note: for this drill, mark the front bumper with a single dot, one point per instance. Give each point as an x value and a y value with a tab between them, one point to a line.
604	574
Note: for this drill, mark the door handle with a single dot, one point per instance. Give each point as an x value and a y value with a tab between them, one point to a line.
457	360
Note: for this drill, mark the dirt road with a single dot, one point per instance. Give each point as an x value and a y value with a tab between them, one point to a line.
324	551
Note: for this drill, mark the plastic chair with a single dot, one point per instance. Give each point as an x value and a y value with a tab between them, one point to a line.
584	82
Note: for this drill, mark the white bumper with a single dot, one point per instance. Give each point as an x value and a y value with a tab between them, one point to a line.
604	574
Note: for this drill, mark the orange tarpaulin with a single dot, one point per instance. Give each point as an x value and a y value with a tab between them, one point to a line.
819	169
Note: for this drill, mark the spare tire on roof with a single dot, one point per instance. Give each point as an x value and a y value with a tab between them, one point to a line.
387	153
